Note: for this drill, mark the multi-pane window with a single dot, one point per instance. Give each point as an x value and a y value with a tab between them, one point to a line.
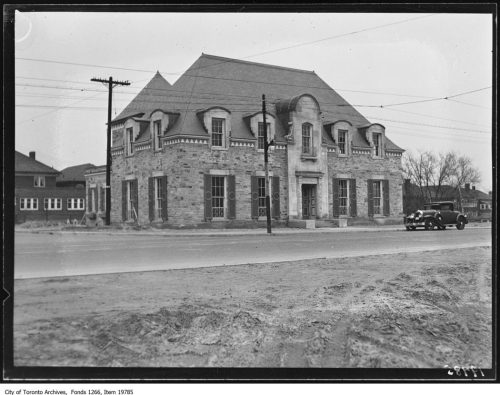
261	189
52	203
131	214
130	141
75	204
376	142
28	204
39	181
306	138
218	132
377	197
218	197
342	141
158	198
260	134
343	197
156	134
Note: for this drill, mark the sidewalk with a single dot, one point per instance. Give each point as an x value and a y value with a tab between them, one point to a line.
224	232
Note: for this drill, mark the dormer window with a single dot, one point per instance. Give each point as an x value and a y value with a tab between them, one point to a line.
306	138
156	134
260	134
377	139
130	140
342	142
218	132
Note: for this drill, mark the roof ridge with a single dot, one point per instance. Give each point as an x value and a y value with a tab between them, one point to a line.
255	63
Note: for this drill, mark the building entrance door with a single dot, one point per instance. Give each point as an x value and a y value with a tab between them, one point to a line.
308	201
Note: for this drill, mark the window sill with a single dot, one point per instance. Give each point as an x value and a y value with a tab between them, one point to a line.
305	157
219	219
217	148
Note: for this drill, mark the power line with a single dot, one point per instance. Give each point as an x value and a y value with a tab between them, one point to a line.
338	36
437	98
429	125
468	92
250	56
50	112
177	90
306	86
432	116
470	104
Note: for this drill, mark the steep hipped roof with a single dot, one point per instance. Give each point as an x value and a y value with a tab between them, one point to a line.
238	86
150	98
25	164
74	173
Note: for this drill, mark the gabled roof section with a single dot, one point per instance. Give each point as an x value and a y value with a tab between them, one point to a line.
151	97
74	173
25	164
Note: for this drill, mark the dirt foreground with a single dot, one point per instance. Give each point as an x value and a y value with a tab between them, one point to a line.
402	310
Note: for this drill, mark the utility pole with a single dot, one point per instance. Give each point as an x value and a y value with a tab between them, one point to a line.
110	84
266	165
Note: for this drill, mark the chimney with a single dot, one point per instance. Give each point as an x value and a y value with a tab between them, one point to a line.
467	186
32	155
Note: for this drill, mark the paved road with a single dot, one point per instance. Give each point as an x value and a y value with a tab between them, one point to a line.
62	254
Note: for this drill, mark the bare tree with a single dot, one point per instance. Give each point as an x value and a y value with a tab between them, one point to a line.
431	173
463	172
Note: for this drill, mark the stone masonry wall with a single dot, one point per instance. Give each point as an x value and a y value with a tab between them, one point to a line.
362	168
184	165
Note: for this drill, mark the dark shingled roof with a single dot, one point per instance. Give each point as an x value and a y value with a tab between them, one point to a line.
74	173
448	192
238	86
24	164
150	98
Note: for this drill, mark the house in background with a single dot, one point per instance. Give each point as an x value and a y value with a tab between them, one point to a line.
476	204
193	152
39	196
73	176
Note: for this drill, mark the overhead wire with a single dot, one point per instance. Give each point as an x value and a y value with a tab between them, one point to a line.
249	56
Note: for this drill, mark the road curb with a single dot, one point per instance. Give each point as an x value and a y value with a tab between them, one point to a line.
215	233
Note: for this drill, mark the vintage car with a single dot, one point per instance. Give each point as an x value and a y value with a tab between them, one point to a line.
436	215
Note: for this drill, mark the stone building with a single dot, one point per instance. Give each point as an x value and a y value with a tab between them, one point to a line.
192	152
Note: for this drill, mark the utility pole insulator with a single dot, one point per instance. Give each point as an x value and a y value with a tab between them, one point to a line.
111	83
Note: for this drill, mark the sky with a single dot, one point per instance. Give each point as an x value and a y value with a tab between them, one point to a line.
371	60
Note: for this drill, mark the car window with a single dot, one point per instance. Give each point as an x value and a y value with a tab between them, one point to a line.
446	207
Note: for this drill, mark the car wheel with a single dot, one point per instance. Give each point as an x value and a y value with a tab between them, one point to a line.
429	224
408	228
460	224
